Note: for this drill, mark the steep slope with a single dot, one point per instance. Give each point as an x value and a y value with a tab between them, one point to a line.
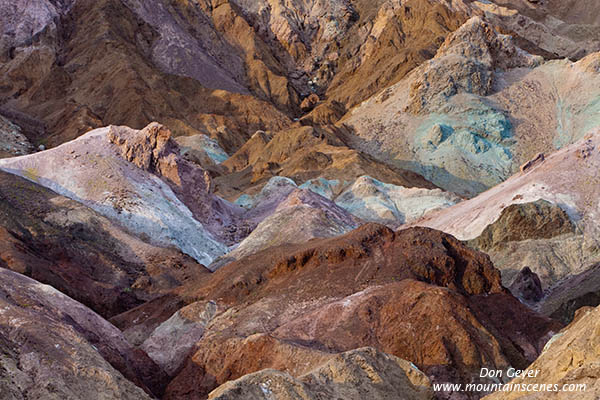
567	178
468	118
300	216
12	141
568	360
571	293
139	180
55	348
54	69
62	243
293	307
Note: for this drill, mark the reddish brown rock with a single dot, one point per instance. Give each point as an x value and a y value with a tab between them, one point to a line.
309	103
418	294
364	373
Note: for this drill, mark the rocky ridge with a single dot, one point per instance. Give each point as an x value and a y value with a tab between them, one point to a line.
55	348
273	313
288	126
117	172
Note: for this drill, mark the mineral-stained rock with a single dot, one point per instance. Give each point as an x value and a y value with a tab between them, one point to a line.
436	122
293	307
204	151
554	237
488	105
303	154
570	358
139	180
354	375
56	348
170	343
62	243
297	218
375	201
465	63
135	62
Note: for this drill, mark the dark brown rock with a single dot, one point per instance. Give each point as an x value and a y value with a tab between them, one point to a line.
538	159
527	286
517	222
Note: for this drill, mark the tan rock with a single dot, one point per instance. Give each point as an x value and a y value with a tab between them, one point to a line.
355	375
571	357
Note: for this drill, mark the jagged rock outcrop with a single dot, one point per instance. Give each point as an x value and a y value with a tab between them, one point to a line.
56	348
165	200
465	63
570	358
153	150
354	375
553	28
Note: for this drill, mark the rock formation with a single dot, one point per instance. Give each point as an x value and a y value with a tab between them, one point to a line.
271	310
62	243
375	201
555	240
117	172
570	358
12	141
301	216
357	374
313	199
527	286
56	348
471	116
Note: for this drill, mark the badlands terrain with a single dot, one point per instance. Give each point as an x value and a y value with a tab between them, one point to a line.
299	199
